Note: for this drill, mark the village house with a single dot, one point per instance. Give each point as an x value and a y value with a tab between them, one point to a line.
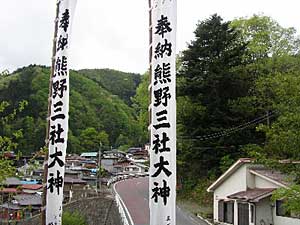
147	147
118	167
74	189
128	167
74	161
90	155
133	150
242	196
32	188
139	156
133	169
21	206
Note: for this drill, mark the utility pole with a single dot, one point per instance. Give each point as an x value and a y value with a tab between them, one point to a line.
99	167
150	65
44	199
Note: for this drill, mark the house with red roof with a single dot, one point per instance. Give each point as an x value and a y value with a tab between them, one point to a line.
242	196
31	188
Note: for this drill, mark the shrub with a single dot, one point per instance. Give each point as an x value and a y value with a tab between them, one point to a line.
74	218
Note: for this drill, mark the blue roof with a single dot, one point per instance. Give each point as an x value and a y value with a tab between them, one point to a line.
29	182
94	170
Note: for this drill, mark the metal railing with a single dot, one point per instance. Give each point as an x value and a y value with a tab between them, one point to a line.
124	213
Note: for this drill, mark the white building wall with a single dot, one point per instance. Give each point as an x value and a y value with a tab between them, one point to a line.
280	220
250	180
239	181
262	183
235	183
263	211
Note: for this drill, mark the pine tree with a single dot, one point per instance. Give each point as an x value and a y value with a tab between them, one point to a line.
209	80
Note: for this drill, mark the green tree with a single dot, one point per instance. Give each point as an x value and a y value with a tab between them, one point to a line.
275	66
282	137
291	198
91	139
119	83
8	143
141	102
208	81
74	143
266	37
4	73
122	142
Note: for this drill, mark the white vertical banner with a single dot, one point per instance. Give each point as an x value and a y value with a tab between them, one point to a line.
162	176
58	126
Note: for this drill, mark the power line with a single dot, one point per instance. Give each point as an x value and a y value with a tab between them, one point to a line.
230	131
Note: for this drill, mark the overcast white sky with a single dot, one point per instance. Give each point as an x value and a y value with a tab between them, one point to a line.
114	33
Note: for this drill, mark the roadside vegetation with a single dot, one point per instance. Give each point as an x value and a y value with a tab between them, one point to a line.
74	218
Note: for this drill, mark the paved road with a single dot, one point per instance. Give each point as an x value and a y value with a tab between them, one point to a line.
134	193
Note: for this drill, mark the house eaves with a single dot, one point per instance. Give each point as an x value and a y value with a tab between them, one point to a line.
228	173
252	195
280	184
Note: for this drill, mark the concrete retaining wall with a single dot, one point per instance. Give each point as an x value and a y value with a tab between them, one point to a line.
97	211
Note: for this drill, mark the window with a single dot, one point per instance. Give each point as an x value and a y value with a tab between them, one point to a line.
226	211
281	210
252	213
243	214
221	211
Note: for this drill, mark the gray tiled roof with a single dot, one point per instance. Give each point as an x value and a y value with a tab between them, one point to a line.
10	206
13	181
274	175
74	181
25	200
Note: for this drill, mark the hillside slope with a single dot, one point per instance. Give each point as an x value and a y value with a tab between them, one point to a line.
118	83
91	106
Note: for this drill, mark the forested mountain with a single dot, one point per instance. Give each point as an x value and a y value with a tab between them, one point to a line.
118	83
96	114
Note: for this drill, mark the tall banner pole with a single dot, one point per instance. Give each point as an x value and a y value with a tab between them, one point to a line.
162	176
58	115
43	213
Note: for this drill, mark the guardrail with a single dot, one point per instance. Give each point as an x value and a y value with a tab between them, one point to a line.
124	177
125	216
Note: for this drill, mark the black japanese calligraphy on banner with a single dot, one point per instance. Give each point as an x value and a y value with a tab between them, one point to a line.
162	74
161	166
163	49
161	95
159	144
58	119
161	192
163	26
59	87
61	66
65	20
162	177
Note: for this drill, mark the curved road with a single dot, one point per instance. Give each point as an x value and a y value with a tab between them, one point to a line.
135	194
